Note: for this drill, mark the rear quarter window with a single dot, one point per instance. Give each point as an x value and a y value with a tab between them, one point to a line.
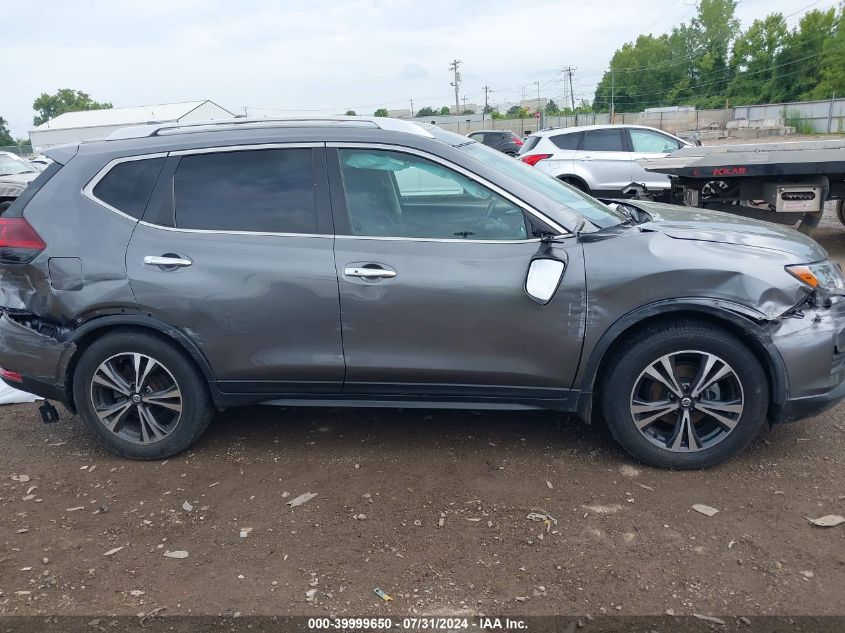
567	141
127	186
530	143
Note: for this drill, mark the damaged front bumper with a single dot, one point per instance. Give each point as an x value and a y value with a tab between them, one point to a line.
811	342
41	360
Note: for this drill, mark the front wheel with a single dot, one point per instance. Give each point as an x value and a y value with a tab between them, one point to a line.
141	395
684	396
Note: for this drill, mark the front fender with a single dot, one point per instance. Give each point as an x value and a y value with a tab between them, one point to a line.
747	322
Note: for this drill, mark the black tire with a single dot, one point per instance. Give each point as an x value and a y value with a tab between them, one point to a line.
579	185
840	211
171	363
683	342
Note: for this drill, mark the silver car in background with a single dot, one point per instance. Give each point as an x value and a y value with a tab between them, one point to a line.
601	159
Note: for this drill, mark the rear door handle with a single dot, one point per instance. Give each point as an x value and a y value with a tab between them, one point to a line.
167	261
369	273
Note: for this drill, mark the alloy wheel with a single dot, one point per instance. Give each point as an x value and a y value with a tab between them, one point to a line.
687	401
136	397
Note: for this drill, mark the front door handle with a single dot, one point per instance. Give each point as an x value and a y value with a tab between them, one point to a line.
167	261
369	273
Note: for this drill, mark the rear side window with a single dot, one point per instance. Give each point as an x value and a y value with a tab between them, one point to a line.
268	191
530	143
567	141
603	141
128	185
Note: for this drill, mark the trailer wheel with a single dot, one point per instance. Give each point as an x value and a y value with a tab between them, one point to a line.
810	221
840	210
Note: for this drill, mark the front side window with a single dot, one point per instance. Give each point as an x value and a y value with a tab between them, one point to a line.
652	142
266	190
603	141
392	194
128	185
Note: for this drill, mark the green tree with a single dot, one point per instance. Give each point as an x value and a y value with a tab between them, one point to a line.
426	111
488	109
468	111
445	111
800	63
832	73
753	61
551	108
516	112
381	112
351	113
5	135
65	100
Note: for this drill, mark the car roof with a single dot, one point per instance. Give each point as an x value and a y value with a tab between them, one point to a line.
583	128
486	131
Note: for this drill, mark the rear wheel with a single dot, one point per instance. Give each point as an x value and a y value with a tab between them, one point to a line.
686	396
579	185
141	395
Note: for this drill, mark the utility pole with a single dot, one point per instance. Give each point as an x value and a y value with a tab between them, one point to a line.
612	95
484	112
465	104
570	69
456	63
412	108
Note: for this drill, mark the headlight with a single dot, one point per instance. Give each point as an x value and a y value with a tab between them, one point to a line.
826	275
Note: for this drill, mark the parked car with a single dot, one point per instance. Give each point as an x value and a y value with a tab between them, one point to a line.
15	174
173	270
505	141
601	159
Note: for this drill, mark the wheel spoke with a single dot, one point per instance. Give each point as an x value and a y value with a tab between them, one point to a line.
109	378
165	398
151	365
706	376
113	414
668	380
149	425
684	431
656	409
717	411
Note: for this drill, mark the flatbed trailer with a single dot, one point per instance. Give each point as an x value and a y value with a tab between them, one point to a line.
787	183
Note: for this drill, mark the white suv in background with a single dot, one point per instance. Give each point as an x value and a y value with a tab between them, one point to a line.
601	159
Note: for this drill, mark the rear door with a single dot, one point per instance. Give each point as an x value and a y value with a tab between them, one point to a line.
650	144
604	157
235	250
432	267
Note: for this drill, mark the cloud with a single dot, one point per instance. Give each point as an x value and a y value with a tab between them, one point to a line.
411	72
319	55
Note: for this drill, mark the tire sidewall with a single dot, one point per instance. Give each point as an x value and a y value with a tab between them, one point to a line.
196	408
631	363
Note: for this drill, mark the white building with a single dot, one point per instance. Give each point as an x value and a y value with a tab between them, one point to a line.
72	127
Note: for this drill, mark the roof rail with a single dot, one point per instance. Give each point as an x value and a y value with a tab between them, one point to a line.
163	129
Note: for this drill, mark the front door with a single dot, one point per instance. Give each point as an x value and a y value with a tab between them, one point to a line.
432	274
236	252
650	144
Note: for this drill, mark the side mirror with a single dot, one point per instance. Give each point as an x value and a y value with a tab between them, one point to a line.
543	279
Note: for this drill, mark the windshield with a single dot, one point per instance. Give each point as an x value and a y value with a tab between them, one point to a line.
10	164
596	212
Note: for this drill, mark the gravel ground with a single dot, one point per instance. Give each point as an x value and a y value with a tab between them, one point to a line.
432	507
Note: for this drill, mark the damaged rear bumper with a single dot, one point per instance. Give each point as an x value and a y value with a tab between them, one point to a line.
40	360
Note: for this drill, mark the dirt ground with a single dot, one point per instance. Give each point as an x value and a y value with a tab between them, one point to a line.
432	507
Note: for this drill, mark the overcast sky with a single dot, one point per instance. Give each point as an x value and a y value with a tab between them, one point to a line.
278	57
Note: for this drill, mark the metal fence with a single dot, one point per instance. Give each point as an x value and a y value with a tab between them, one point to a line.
809	117
25	149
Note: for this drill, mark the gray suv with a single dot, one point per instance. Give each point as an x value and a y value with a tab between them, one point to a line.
173	270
